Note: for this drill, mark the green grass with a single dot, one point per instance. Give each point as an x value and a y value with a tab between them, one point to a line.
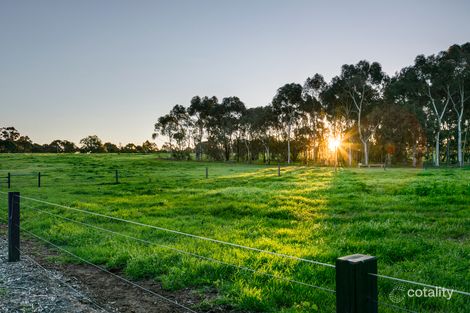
416	222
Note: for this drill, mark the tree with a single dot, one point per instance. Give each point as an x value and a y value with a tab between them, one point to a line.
223	122
91	144
258	123
404	89
311	111
435	79
183	123
287	105
200	109
176	126
24	144
165	126
458	59
397	138
363	83
149	147
129	148
61	146
8	138
111	147
9	133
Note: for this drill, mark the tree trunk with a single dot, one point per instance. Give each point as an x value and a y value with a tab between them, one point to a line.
448	150
267	152
414	154
349	154
288	143
366	152
199	156
464	144
361	137
248	151
436	160
459	141
238	150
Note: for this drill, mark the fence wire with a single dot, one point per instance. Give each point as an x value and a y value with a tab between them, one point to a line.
110	273
195	255
182	233
204	257
419	284
50	274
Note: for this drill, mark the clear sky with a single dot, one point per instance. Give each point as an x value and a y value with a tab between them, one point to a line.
69	69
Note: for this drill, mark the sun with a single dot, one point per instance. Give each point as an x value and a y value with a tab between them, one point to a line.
334	143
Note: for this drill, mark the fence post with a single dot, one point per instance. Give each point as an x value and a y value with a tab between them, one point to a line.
9	180
13	226
39	179
207	172
278	169
356	290
116	175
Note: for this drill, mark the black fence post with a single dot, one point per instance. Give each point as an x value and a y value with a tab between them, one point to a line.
116	175
39	179
356	289
278	169
13	226
207	172
9	180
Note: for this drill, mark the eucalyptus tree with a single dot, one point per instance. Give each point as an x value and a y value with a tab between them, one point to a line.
148	147
175	125
183	126
458	59
397	138
404	89
8	138
9	133
200	109
435	79
247	128
165	126
224	122
363	83
287	104
311	109
257	124
110	147
92	144
65	146
340	108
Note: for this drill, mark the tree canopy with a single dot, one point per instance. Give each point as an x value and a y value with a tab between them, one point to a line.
402	119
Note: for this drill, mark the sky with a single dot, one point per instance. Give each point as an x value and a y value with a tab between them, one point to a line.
69	69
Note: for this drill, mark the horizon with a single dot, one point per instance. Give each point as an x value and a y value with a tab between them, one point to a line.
110	68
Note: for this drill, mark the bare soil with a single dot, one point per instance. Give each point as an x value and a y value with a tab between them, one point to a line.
93	290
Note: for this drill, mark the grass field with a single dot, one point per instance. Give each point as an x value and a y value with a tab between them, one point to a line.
416	222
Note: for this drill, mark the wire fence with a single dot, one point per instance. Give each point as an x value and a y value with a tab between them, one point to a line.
101	177
198	255
182	233
195	255
58	279
110	273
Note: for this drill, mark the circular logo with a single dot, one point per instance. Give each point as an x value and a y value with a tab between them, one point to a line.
397	294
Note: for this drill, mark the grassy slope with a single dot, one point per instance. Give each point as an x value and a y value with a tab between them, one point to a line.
417	222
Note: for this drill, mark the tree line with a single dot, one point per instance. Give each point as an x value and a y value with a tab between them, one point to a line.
11	141
419	114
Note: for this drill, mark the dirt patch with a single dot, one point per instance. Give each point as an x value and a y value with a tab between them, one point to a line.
99	289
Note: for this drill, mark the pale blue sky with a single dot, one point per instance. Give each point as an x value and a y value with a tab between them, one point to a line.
74	68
